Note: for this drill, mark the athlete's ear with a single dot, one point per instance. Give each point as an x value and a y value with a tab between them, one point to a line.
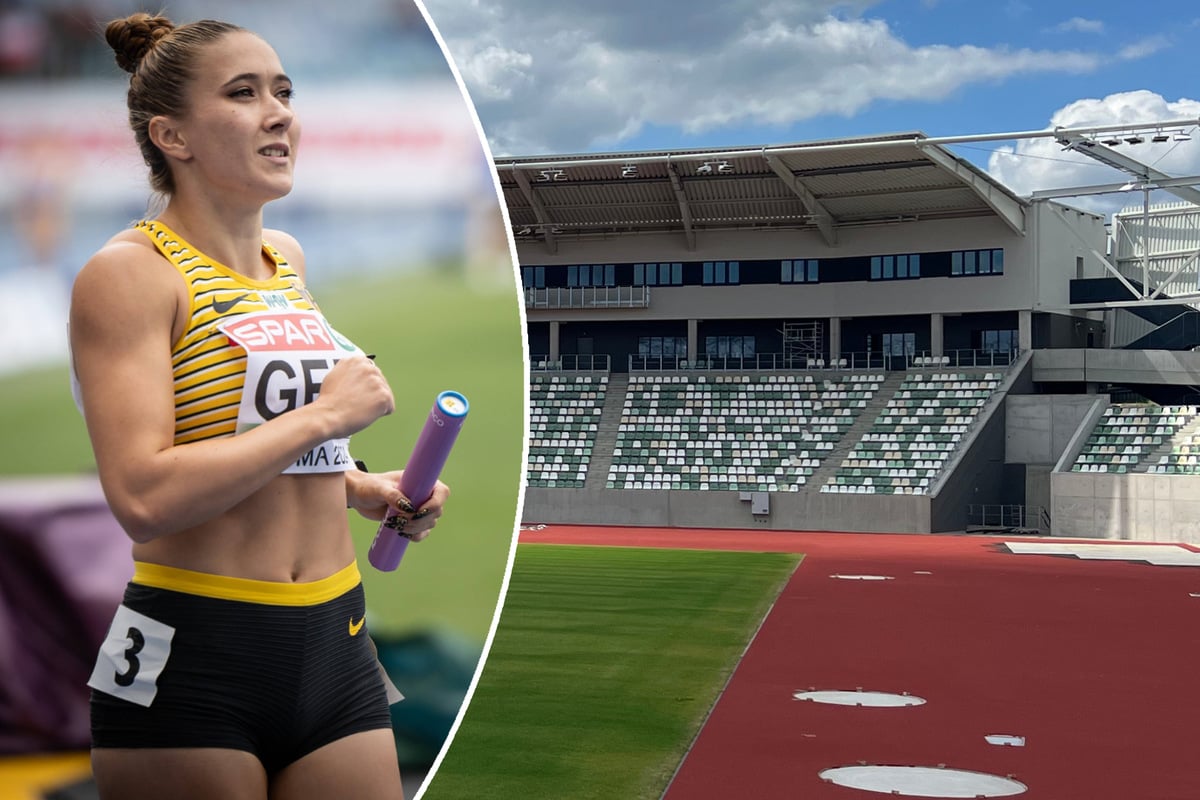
167	136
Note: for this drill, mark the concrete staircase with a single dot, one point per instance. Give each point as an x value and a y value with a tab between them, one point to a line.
606	431
862	424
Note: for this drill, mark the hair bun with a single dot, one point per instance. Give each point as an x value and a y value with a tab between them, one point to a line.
134	36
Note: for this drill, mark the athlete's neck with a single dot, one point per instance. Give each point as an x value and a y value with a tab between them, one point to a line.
234	240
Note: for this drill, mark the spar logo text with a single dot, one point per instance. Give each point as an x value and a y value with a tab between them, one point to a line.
295	331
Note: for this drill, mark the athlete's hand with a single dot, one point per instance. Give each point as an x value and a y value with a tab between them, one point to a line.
377	496
357	393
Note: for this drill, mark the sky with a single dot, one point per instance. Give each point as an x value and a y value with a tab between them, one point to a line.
569	76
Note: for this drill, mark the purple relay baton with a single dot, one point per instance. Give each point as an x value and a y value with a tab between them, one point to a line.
421	473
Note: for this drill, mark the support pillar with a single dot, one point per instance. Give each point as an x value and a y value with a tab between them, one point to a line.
1025	330
835	339
937	330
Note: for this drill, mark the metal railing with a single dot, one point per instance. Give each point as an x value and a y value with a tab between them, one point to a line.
588	297
763	361
847	361
966	358
570	363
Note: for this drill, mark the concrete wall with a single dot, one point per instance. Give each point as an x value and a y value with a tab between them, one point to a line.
1060	235
976	479
1140	507
1038	493
788	511
1168	367
1039	427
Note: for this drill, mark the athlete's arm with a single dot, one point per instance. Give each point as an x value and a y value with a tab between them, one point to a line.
123	319
371	494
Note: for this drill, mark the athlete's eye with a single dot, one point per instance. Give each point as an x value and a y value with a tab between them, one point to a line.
245	91
286	94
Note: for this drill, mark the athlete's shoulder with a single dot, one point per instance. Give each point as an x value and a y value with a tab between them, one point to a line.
127	266
288	247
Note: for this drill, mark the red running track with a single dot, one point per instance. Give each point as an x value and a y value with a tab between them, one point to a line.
1095	663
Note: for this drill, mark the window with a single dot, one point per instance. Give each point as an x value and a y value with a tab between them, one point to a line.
717	273
899	344
1003	341
591	275
895	267
533	277
977	262
799	271
729	346
656	274
667	346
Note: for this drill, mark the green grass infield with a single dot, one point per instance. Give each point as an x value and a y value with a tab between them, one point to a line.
605	663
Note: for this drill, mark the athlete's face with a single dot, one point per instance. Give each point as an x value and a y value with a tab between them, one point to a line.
240	128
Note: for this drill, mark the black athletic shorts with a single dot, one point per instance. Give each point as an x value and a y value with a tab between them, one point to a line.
275	669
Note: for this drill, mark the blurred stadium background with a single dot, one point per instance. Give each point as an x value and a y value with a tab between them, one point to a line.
396	208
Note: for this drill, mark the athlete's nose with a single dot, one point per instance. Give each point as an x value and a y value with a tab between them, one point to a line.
280	116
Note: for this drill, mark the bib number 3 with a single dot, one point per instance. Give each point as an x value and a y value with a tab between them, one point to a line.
132	657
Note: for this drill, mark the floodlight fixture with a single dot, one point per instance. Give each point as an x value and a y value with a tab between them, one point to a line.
551	175
1159	137
1134	139
1111	141
724	168
629	171
705	169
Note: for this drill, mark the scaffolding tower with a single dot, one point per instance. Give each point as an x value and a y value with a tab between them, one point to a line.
803	341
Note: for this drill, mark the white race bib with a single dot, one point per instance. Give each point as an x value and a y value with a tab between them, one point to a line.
288	353
132	657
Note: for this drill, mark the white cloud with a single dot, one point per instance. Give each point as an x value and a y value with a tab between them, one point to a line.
552	78
1143	48
1080	25
1042	164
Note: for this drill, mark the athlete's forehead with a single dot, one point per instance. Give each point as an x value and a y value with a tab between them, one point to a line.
239	55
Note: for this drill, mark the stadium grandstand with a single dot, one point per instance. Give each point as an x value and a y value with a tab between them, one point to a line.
867	334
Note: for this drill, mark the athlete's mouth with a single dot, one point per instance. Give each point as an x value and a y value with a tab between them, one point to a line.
275	151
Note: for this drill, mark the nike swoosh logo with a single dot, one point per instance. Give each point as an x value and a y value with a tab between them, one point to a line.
355	627
222	306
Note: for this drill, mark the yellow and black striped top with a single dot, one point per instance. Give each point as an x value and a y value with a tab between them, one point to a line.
210	370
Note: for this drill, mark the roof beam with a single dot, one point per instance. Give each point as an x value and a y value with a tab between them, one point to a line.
820	215
1143	172
539	210
1113	188
1009	210
685	209
913	139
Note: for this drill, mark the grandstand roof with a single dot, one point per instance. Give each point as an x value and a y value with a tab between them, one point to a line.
820	186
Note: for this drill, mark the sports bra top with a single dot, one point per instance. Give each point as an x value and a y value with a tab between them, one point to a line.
250	349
